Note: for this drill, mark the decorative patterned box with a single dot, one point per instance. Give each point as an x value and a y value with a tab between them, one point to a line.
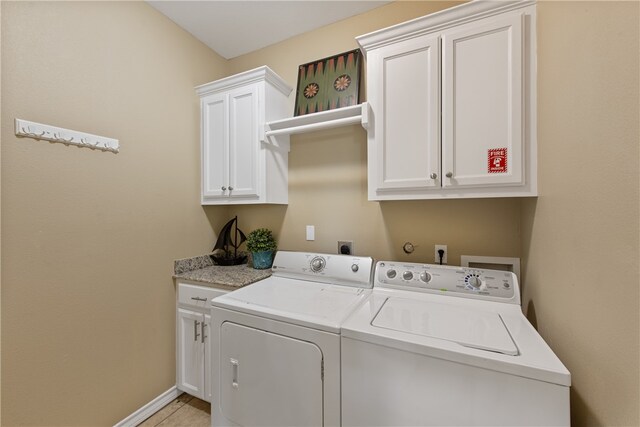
328	83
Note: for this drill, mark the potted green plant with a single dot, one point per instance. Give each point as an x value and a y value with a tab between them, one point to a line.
261	244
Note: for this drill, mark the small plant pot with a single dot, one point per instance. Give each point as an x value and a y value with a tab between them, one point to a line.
262	260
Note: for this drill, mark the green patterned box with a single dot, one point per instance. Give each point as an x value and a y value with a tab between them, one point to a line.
328	83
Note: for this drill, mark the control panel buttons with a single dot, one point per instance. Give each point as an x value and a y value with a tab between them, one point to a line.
425	277
354	268
317	264
459	281
473	281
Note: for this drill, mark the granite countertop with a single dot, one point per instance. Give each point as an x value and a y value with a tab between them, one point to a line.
202	269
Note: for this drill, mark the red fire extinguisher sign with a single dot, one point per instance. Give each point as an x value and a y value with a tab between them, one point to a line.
497	158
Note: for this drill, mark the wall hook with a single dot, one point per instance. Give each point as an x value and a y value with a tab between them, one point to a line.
65	136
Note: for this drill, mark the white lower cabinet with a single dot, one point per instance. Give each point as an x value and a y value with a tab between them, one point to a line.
193	355
453	102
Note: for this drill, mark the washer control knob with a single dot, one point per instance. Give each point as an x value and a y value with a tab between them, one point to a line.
475	281
317	264
391	274
425	277
354	267
407	275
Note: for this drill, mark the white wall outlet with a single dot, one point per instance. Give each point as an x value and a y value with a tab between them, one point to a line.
345	247
437	255
311	232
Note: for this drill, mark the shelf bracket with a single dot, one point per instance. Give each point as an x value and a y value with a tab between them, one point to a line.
367	116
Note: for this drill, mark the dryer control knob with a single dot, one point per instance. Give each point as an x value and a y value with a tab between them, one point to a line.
425	277
475	281
391	274
407	275
354	267
317	264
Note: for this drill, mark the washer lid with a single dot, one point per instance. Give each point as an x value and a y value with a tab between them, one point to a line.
483	330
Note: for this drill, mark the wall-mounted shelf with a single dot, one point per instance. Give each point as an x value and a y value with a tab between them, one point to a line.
319	121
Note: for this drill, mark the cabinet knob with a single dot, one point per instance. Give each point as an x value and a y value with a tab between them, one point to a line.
224	188
433	175
230	188
449	174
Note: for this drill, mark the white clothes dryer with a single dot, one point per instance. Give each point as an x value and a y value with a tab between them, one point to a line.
440	345
276	343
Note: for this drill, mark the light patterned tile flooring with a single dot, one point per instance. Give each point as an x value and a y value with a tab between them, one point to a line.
185	410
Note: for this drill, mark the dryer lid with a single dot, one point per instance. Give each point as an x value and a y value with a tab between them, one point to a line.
317	305
482	330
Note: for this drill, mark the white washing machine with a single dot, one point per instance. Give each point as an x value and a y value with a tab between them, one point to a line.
276	343
439	345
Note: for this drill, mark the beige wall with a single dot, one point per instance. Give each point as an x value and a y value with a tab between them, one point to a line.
89	238
582	222
581	235
0	225
327	174
87	299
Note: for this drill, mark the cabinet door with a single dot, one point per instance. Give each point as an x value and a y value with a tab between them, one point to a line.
190	353
482	103
215	146
208	351
268	379
243	142
404	95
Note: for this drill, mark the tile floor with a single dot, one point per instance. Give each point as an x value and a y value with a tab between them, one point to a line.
185	410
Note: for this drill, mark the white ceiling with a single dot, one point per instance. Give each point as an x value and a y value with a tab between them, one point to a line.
233	28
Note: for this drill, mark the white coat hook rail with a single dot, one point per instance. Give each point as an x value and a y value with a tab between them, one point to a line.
39	131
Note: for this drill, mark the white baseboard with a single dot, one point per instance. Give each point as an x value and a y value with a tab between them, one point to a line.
150	408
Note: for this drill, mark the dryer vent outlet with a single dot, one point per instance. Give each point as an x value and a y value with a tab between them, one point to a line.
345	247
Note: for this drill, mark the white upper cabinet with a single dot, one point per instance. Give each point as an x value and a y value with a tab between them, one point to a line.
453	102
406	127
238	165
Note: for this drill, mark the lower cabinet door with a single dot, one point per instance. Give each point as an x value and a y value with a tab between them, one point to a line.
190	353
206	330
269	379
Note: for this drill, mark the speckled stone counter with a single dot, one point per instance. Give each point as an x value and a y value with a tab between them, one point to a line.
202	269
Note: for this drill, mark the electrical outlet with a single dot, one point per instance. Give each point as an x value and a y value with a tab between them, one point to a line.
345	247
437	255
